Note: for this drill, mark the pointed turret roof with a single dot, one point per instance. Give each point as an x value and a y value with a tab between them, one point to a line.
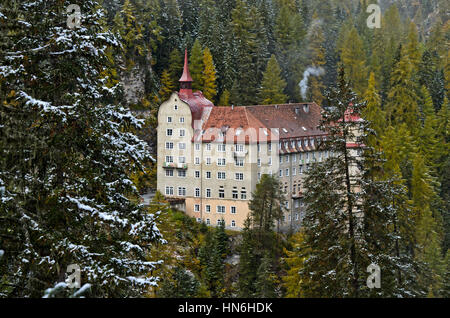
186	77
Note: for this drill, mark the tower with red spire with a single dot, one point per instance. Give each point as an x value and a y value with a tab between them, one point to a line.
186	79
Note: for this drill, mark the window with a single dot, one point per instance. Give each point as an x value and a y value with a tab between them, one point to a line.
221	147
169	159
182	173
287	204
169	173
181	191
199	220
239	162
221	161
235	193
296	216
208	161
196	207
281	173
208	174
181	146
259	147
181	159
175	107
169	145
221	175
197	160
269	147
221	209
287	158
169	190
259	162
221	193
259	175
300	169
233	223
208	208
197	192
169	132
233	210
294	171
219	222
243	194
286	173
281	159
208	221
239	176
208	147
239	148
181	119
182	133
169	119
197	147
270	161
208	193
294	157
197	174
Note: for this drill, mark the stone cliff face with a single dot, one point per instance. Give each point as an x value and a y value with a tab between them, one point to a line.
138	81
133	82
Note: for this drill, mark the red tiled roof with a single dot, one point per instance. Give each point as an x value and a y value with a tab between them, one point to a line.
288	121
197	103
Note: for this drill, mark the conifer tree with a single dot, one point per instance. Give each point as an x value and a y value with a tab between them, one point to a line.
209	75
353	58
66	155
266	205
248	262
412	46
401	106
292	281
428	231
351	210
225	98
428	136
317	56
175	66
167	86
266	282
272	86
289	31
373	112
196	65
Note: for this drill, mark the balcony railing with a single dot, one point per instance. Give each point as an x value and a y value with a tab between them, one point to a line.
171	165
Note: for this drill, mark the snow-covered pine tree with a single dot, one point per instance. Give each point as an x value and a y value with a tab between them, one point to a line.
66	153
353	213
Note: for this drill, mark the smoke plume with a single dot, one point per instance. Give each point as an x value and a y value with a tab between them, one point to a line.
315	71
